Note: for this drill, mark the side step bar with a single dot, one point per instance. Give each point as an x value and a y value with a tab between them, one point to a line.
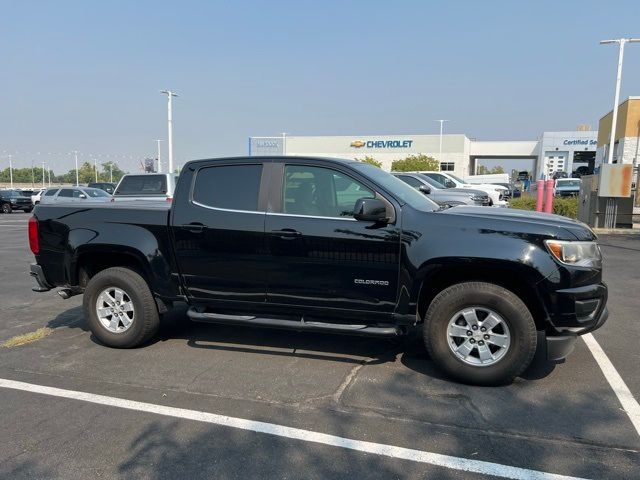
300	325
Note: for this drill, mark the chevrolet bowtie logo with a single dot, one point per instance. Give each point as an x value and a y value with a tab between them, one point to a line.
358	144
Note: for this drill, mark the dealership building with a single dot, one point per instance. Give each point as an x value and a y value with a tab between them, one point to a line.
551	152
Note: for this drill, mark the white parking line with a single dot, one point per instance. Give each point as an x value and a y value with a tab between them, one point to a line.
629	403
446	461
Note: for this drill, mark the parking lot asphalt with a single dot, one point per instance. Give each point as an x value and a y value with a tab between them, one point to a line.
563	419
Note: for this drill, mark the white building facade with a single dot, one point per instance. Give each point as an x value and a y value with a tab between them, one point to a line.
456	153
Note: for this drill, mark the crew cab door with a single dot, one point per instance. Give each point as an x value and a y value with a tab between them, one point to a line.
218	231
322	257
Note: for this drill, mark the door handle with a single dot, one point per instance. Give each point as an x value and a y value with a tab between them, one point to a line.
193	227
287	233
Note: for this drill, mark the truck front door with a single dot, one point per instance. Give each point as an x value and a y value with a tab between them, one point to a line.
320	255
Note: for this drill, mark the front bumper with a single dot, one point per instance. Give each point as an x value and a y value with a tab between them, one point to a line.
36	272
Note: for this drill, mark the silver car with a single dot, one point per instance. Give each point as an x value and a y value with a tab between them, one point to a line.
441	195
74	194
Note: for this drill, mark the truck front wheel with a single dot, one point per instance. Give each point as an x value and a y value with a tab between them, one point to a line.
120	308
480	333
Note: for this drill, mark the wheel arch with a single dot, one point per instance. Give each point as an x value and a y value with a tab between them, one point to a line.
520	280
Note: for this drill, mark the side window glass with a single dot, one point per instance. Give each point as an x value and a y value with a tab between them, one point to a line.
66	192
317	191
50	193
234	187
77	193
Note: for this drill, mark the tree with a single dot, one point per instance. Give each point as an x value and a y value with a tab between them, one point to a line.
482	170
371	161
497	169
110	168
414	163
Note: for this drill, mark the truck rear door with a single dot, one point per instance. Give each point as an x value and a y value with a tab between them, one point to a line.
218	231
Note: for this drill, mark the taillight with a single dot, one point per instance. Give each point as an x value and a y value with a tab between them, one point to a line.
34	243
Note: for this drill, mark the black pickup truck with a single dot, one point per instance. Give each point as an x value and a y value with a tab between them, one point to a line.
330	246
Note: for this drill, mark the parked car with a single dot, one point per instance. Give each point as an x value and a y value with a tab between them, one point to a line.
558	175
35	196
580	171
75	194
14	200
447	180
281	243
146	186
567	187
443	196
106	186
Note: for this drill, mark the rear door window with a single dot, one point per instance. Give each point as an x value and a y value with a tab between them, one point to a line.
231	187
51	193
66	192
142	185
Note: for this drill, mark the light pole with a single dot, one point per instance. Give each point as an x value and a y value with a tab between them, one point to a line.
11	172
49	174
284	143
614	118
441	130
110	172
159	161
170	95
95	169
43	174
77	176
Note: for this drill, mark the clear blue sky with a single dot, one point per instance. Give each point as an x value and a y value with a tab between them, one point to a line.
85	75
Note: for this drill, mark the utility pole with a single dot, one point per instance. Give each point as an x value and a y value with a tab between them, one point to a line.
170	96
159	161
616	98
77	175
441	130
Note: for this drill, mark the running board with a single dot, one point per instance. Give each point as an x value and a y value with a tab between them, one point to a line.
300	325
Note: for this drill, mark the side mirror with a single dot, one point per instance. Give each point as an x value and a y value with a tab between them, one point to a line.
82	195
424	189
370	210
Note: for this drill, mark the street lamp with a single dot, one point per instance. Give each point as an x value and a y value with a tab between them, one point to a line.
621	42
170	95
284	143
159	161
441	129
11	172
77	176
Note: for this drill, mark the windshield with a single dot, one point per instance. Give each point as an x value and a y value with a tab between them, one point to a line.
568	183
11	194
398	188
94	192
431	181
457	179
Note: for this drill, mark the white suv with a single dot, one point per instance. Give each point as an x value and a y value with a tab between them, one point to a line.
448	180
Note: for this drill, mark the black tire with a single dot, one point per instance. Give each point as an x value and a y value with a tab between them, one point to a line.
6	208
146	319
507	305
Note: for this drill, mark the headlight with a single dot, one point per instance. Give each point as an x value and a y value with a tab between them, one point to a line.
579	254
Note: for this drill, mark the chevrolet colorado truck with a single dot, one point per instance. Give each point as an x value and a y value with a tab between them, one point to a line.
324	245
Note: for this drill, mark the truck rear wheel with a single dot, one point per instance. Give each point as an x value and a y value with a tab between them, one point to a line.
120	309
480	333
6	208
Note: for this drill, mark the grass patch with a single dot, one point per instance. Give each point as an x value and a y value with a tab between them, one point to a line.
27	337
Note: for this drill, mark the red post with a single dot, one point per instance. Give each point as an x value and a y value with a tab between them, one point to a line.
540	188
548	201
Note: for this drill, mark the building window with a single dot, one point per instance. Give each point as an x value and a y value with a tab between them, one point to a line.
447	166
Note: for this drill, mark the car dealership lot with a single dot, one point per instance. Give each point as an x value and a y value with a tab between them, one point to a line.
565	420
